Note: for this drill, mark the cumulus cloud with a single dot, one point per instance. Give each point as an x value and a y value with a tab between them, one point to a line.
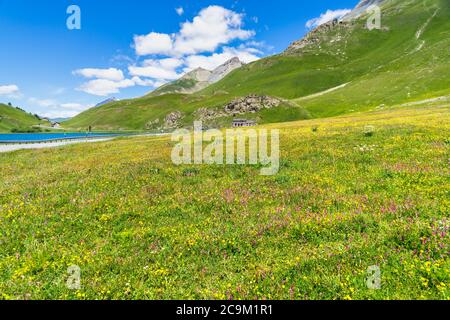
163	69
153	72
105	87
153	43
143	82
326	17
50	108
112	74
42	102
109	81
180	11
66	110
214	26
203	42
9	90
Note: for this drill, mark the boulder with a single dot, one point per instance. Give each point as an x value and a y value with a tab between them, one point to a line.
172	120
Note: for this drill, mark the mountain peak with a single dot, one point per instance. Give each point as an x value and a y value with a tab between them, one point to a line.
233	60
198	74
321	33
223	70
199	78
360	8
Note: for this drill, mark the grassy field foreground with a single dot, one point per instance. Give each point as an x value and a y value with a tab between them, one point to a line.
141	228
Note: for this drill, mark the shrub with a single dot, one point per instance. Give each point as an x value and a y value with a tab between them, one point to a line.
369	131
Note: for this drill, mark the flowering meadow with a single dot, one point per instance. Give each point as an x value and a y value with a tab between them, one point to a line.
139	227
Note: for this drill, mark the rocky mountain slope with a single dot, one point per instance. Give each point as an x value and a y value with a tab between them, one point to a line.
361	8
198	79
222	71
338	68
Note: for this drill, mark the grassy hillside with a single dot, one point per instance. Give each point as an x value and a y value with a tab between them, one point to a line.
175	86
407	60
141	228
419	73
13	118
137	114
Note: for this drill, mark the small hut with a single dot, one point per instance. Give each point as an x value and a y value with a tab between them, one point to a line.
240	123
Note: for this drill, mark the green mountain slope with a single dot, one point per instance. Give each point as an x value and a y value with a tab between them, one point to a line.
420	70
338	68
13	118
176	86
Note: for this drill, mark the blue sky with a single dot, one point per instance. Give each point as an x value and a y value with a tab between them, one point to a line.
126	48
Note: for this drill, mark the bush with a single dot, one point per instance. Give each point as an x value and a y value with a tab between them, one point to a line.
26	130
369	131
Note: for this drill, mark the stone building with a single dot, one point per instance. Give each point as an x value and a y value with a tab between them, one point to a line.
240	123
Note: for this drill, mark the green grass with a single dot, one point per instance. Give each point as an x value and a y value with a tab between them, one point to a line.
13	118
140	227
381	67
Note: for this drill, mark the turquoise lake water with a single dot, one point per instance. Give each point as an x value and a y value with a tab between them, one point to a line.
46	137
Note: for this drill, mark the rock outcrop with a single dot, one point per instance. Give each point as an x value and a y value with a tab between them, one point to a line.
322	35
249	104
172	120
319	35
199	75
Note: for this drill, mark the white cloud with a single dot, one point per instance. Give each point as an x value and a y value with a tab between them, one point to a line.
9	90
326	17
66	110
211	62
50	108
148	82
245	54
214	26
112	74
104	87
180	11
74	106
44	103
169	63
158	84
109	81
198	43
153	43
143	82
161	70
153	72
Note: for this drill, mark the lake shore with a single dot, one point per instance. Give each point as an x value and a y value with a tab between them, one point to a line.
53	144
42	145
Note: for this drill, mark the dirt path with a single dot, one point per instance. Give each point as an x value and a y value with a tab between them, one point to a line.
315	95
421	30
